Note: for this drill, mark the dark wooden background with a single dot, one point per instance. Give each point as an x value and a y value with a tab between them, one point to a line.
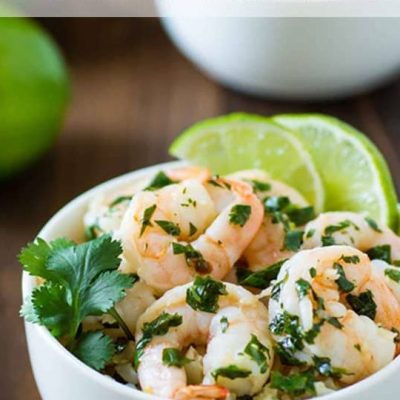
132	93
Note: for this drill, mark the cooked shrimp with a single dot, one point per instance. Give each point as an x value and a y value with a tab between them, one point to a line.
390	274
326	309
353	229
174	233
268	245
227	319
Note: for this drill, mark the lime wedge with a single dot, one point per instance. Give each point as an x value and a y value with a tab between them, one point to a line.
354	173
241	141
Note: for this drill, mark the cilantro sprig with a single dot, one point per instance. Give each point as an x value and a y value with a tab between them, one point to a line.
81	280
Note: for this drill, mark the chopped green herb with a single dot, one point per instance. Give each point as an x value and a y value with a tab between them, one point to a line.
331	229
190	202
119	200
357	347
293	240
158	327
174	358
300	216
373	225
311	334
261	186
259	279
381	253
286	352
363	304
324	367
239	214
204	294
288	324
327	241
310	233
230	372
393	274
146	219
343	283
169	227
91	231
159	181
276	203
258	352
194	258
302	287
335	322
225	324
313	272
350	259
298	384
192	229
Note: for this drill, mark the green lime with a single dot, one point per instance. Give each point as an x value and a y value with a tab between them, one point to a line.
33	92
354	173
241	141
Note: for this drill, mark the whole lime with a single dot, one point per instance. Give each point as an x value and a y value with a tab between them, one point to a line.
34	93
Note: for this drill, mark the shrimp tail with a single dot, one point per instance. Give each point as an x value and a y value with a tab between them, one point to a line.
201	392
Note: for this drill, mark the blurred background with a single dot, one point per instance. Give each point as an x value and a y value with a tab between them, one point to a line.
131	92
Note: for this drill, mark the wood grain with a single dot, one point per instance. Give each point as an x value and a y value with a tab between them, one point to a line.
132	93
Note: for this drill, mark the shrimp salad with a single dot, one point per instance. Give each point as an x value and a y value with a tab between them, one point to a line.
194	286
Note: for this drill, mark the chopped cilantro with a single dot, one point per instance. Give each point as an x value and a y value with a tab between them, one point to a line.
260	186
169	227
311	334
259	279
91	231
324	367
363	304
313	272
393	274
343	283
302	287
335	322
224	323
331	229
194	258
192	229
289	325
381	253
293	240
158	327
174	358
230	372
350	259
373	225
146	219
203	294
297	384
258	352
300	216
239	214
357	347
310	233
159	181
327	240
190	202
119	200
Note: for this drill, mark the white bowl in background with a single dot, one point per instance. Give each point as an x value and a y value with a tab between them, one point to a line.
290	58
61	376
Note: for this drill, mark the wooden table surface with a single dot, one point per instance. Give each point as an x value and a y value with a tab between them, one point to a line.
132	93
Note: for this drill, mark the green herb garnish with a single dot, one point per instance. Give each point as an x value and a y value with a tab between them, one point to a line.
258	352
373	225
343	283
260	186
381	253
239	214
174	358
298	384
169	227
393	274
203	294
192	229
224	324
146	219
363	304
159	181
293	240
230	372
303	287
194	258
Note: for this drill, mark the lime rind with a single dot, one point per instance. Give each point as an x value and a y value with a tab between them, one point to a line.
381	185
234	142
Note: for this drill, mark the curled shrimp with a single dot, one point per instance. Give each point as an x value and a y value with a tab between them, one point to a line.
268	245
227	319
174	233
326	310
352	229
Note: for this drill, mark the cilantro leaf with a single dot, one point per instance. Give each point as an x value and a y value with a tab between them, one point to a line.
296	384
239	214
204	294
343	283
261	186
381	253
293	240
363	304
258	352
159	181
302	287
174	358
393	274
230	372
224	324
94	348
35	255
146	219
373	225
194	259
259	279
169	227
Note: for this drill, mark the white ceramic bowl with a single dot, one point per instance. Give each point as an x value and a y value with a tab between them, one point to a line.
61	376
292	58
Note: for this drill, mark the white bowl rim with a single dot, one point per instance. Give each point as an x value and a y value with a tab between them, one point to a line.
28	283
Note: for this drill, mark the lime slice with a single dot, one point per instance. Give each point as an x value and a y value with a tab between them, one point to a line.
354	172
241	141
